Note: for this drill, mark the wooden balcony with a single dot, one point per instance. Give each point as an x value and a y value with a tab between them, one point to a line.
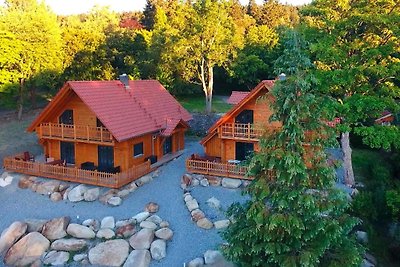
217	169
71	174
240	131
74	133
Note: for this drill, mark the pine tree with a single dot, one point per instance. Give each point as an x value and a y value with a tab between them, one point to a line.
294	217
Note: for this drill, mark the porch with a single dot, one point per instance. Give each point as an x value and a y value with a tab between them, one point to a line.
74	174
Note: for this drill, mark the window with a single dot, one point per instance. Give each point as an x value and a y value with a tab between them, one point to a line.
67	117
138	150
246	116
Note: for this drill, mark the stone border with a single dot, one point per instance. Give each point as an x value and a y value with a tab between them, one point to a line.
58	190
134	241
210	258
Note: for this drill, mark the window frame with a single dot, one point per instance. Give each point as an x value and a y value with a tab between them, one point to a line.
142	150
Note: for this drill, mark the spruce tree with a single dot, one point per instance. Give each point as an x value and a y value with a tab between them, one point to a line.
295	216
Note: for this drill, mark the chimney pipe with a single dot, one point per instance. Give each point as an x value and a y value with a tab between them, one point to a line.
124	80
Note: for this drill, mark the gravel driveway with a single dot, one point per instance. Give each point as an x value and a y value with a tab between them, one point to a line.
188	241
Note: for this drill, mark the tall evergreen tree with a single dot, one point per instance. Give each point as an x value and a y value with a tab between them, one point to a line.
295	216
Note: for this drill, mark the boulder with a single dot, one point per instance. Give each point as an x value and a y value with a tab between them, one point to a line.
56	228
47	188
80	231
11	234
24	182
140	217
123	193
105	233
204	182
204	223
197	214
122	223
92	224
91	194
164	233
192	204
214	181
114	201
109	253
371	258
6	179
80	257
155	219
56	258
366	263
108	222
164	224
158	249
199	177
151	207
214	203
188	197
70	244
195	182
35	225
107	195
138	258
56	196
186	179
148	225
143	180
142	239
213	256
362	237
77	193
197	262
63	187
27	250
131	187
221	224
66	192
126	230
231	183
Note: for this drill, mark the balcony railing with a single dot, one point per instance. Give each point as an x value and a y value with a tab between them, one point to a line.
77	133
216	168
71	174
240	131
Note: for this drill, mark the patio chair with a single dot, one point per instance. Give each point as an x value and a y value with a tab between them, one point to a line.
28	157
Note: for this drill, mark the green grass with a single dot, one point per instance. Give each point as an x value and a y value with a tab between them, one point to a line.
196	103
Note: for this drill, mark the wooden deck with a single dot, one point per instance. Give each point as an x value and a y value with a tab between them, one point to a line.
77	133
240	131
217	169
72	174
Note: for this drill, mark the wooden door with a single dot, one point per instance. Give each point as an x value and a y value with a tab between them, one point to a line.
105	158
67	152
243	150
167	148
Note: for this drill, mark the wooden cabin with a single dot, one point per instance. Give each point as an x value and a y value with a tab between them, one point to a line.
109	127
236	135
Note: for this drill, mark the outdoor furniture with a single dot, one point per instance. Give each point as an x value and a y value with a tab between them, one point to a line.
28	157
88	166
58	162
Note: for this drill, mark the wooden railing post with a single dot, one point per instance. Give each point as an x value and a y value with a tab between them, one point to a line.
50	129
101	134
74	127
87	132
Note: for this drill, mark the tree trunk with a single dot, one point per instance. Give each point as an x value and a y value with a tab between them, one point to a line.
209	90
32	92
347	164
21	98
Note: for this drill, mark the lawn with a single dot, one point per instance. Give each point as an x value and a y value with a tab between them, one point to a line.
196	103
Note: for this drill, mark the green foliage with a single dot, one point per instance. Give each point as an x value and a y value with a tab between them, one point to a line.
296	218
393	202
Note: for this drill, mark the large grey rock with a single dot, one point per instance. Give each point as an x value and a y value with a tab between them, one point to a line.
148	225
164	233
131	187
126	230
204	182
158	249
105	233
77	193
164	224
80	231
142	239
151	207
204	223
197	214
138	258
56	196
122	223
5	179
221	224
109	253
188	197
92	224
140	217
366	263
192	204
91	194
47	188
10	235
214	203
56	258
70	244
56	228
80	257
144	180
197	262
362	236
108	222
27	250
114	201
231	183
155	219
35	225
213	256
123	193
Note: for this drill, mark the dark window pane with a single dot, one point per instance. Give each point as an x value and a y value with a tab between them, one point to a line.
138	149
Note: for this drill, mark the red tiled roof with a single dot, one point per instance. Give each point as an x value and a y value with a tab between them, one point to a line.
143	108
236	97
171	125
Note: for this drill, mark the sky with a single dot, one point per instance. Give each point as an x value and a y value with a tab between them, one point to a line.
67	7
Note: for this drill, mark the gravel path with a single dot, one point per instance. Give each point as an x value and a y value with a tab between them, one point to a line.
188	241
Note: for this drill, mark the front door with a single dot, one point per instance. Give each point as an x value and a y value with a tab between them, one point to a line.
243	150
167	145
105	158
68	152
